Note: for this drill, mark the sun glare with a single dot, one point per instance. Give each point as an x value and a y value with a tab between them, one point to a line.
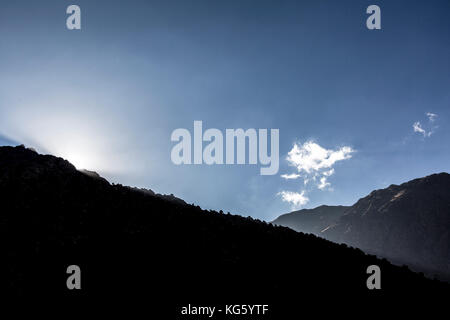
80	161
74	134
81	155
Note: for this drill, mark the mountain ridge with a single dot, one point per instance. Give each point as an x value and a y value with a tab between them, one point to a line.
131	244
313	220
407	223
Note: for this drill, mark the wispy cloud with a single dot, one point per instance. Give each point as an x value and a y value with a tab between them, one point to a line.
323	183
297	199
324	179
430	126
431	116
290	176
418	128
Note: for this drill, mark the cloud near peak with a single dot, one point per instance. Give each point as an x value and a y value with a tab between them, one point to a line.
297	199
313	163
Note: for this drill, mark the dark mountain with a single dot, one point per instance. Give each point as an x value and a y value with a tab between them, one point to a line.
133	245
311	220
407	223
169	197
91	174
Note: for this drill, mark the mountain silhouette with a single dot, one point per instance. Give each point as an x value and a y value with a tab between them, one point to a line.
311	220
132	243
407	223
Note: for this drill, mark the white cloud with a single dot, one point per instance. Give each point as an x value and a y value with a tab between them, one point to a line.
311	157
430	129
290	176
418	128
314	163
296	199
323	183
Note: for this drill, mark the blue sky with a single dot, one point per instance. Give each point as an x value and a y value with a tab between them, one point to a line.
108	97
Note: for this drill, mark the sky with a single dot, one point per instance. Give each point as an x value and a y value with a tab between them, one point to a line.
356	109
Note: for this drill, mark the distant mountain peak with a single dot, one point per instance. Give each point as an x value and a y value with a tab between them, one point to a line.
407	223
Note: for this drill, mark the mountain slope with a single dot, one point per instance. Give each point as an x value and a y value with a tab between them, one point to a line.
407	223
311	220
131	243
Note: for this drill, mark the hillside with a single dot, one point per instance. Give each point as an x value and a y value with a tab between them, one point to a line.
311	220
130	243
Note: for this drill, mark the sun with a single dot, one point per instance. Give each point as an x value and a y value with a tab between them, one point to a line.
80	161
82	155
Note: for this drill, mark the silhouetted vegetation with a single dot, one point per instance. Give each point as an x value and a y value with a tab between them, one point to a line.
130	242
